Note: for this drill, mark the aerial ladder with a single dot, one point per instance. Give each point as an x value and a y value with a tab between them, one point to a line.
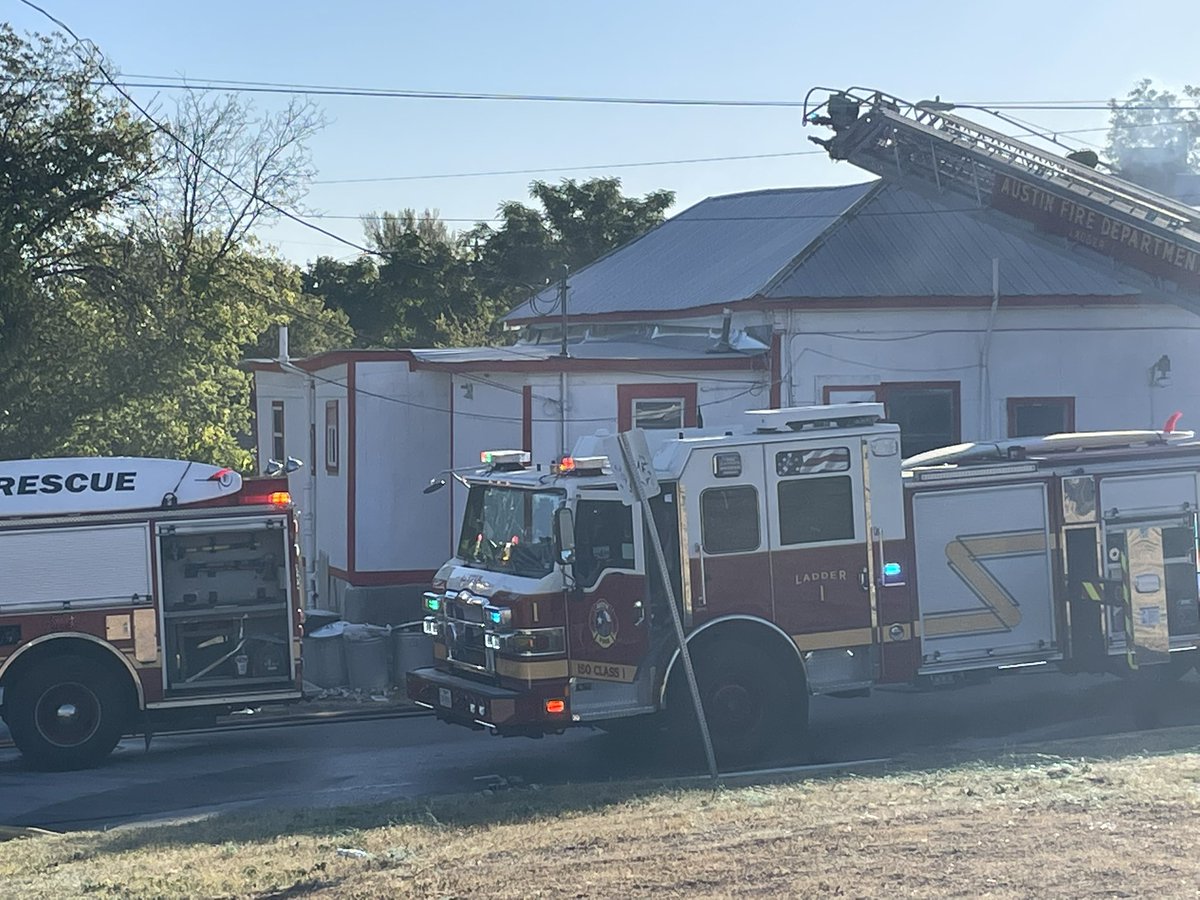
1152	240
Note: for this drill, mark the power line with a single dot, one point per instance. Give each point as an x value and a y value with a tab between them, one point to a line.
1032	130
627	165
176	82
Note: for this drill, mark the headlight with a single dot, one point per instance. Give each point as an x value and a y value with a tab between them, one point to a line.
530	642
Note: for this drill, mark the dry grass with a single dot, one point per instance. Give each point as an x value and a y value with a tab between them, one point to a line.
1026	826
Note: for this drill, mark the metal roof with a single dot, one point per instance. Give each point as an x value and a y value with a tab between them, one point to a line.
699	347
863	240
903	244
721	250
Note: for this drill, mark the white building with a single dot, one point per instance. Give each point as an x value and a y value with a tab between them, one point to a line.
963	324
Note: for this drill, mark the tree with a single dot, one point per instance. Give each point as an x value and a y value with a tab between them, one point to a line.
1152	137
427	293
577	224
70	159
130	287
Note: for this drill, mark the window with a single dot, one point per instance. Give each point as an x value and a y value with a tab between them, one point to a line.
603	539
926	411
278	446
1040	415
331	437
656	406
658	413
812	510
729	519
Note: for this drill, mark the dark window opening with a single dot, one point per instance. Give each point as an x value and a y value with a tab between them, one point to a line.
603	539
812	510
1035	416
278	445
729	519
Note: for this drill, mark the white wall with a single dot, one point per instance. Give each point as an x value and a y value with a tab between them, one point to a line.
1100	355
403	441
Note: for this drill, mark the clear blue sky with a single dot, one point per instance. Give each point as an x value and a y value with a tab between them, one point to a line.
768	50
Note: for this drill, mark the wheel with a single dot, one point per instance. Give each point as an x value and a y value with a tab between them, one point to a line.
750	706
67	713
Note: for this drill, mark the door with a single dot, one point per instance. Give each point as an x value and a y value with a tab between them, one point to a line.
608	614
727	516
819	541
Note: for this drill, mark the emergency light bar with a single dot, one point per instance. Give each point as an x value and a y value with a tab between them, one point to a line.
581	465
507	459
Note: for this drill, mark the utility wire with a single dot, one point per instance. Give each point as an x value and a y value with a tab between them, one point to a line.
626	165
175	82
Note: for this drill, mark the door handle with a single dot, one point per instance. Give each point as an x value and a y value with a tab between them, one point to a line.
640	608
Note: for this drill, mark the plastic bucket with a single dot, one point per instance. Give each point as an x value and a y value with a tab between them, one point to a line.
366	657
411	649
325	657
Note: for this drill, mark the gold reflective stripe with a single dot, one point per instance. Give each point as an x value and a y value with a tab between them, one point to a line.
965	555
531	671
1092	591
827	640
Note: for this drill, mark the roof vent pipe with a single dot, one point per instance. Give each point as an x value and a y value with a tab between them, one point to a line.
283	343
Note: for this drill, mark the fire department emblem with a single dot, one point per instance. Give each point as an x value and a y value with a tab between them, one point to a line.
604	623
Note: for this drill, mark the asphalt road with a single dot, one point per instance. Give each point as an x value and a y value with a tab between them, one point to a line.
344	763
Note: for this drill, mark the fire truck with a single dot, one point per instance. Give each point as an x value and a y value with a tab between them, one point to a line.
139	595
807	558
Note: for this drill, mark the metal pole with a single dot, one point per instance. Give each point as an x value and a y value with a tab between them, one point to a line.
562	306
684	654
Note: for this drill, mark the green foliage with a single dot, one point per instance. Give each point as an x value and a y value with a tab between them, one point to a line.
130	289
436	287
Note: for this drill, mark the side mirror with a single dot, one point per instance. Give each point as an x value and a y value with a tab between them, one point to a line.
291	464
564	534
435	484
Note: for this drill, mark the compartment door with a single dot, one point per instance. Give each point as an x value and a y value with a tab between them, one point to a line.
985	576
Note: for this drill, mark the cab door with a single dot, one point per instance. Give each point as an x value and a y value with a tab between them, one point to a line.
608	614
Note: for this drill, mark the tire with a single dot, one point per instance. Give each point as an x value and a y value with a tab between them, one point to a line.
67	713
750	707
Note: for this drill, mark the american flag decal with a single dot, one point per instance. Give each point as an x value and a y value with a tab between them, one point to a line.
810	462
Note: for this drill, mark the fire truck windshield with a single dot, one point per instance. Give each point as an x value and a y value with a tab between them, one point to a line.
508	529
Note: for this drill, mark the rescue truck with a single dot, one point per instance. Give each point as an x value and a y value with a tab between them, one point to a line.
138	595
807	558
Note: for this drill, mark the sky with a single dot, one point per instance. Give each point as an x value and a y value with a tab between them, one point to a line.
749	50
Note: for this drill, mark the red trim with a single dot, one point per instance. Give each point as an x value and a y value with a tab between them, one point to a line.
627	393
1068	404
351	463
527	418
389	576
776	370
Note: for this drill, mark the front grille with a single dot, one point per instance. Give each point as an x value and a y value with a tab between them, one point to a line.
463	630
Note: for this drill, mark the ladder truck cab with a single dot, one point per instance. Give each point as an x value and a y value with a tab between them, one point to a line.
807	558
139	595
